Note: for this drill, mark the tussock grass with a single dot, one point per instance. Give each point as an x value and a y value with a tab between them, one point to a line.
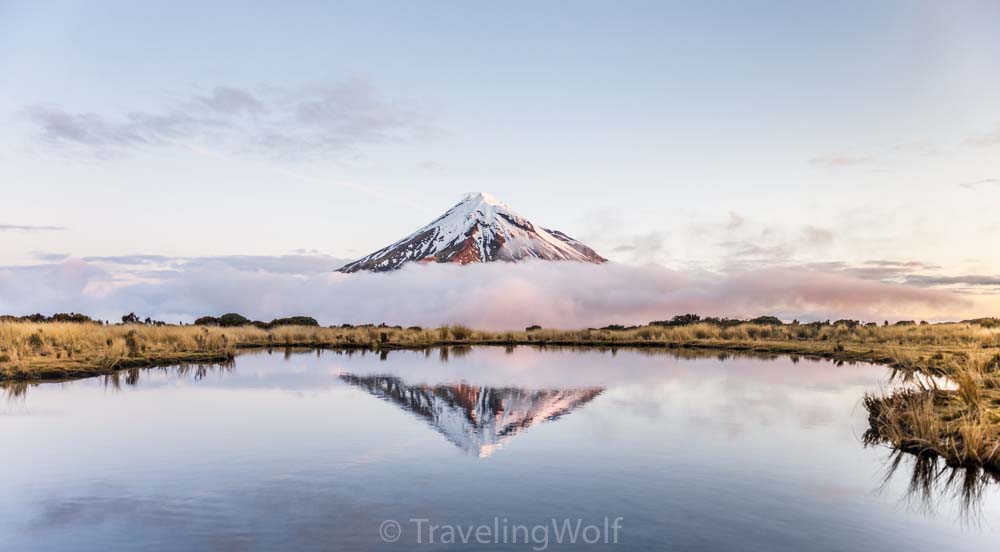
31	350
52	350
960	424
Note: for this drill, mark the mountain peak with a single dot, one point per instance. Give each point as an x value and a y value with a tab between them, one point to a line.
478	229
483	198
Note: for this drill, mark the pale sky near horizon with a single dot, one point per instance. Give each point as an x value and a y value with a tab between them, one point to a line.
850	136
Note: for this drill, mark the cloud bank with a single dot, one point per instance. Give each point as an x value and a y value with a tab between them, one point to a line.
493	296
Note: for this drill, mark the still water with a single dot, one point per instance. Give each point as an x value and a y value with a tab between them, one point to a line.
306	450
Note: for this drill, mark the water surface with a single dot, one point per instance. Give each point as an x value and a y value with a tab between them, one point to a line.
317	450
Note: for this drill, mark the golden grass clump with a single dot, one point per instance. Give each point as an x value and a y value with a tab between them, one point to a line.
960	423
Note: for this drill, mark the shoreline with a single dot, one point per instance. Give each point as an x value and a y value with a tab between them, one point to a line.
960	424
70	369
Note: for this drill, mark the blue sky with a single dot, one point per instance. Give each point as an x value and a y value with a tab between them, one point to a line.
716	136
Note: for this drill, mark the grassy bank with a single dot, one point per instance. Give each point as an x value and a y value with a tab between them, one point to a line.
960	423
30	351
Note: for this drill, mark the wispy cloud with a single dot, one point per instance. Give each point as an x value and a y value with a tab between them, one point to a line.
840	161
431	166
983	182
58	127
294	123
301	263
29	228
974	280
643	248
135	259
878	157
746	246
910	273
745	254
917	147
985	139
817	238
229	100
733	242
885	270
735	221
49	257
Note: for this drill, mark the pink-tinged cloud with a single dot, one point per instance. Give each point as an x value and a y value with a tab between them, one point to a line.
493	296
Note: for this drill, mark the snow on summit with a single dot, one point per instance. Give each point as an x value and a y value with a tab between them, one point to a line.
479	229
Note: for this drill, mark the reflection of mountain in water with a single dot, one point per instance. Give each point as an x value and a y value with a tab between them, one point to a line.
477	419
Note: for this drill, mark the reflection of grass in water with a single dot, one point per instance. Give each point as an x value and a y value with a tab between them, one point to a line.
932	481
115	381
15	390
130	377
459	351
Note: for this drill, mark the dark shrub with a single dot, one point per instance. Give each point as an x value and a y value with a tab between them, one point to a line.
679	320
722	322
57	317
294	321
533	328
766	321
984	322
207	321
71	317
233	319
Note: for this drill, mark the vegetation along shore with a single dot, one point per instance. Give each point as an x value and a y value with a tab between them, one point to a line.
949	405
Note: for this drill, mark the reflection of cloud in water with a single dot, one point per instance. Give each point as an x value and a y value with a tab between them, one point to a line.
479	420
290	515
707	389
733	406
743	394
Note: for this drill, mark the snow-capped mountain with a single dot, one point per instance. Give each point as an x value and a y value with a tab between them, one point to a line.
476	419
478	229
